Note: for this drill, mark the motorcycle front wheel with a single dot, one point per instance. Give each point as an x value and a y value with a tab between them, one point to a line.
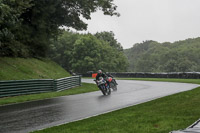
102	88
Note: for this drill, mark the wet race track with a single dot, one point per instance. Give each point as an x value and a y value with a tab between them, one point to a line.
31	116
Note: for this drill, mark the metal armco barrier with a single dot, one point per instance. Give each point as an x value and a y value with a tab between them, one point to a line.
66	83
22	87
183	75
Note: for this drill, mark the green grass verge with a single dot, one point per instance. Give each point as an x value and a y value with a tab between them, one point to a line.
86	87
31	68
162	115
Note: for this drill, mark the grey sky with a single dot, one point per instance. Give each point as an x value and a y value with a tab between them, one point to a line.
159	20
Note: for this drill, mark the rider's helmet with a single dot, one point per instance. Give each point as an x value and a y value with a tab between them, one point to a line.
99	72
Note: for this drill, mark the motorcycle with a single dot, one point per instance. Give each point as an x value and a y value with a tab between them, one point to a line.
112	83
103	86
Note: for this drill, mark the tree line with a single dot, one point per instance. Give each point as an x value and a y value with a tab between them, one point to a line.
33	28
151	56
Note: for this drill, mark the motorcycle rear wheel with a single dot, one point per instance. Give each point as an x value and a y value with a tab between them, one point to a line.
108	91
113	86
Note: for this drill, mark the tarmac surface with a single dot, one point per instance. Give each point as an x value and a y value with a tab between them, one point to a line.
194	128
36	115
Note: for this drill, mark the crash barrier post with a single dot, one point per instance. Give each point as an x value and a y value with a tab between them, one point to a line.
183	75
23	87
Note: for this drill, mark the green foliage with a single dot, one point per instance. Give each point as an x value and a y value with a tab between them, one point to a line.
86	54
151	56
109	38
32	28
82	53
60	50
10	22
28	25
20	68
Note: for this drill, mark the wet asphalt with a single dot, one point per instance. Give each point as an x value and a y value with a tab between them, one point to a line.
36	115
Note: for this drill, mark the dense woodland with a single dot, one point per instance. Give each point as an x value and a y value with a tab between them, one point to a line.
34	29
151	56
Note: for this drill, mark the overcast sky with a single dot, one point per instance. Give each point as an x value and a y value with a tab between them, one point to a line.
159	20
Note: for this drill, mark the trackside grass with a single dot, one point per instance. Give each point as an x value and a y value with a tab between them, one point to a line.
162	115
86	87
30	68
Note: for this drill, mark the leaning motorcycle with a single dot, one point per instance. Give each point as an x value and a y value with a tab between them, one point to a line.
112	83
103	86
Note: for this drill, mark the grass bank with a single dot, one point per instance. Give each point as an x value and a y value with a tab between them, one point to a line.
162	115
30	68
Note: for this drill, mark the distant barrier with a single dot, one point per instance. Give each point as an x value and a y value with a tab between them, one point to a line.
183	75
22	87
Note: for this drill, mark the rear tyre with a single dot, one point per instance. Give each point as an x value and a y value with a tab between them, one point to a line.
113	86
108	91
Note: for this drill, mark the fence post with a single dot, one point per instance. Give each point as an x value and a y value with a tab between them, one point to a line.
55	85
79	80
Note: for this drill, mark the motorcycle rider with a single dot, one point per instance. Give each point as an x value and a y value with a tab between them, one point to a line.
109	75
101	74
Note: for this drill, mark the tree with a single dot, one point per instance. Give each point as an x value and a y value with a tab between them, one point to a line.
10	22
109	38
60	50
86	54
46	17
91	54
41	20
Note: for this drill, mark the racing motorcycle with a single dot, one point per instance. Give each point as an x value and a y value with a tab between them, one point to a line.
103	86
112	83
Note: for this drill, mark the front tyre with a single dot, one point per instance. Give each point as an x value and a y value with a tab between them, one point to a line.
102	88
